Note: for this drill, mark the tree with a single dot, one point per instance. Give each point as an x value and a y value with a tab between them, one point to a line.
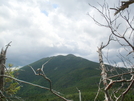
11	87
8	88
125	79
2	66
2	70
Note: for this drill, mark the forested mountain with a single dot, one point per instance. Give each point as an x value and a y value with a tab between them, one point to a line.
66	73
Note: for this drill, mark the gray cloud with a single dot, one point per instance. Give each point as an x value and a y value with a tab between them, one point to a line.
41	29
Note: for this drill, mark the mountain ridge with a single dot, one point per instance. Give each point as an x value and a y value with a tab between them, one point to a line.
66	73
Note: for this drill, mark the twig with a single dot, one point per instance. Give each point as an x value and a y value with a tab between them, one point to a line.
41	73
25	82
79	94
98	90
125	4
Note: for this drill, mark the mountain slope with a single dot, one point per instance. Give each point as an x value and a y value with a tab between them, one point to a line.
66	73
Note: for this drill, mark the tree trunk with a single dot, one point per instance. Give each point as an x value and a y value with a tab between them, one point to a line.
2	68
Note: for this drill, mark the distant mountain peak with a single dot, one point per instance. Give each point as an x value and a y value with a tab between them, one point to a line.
71	55
65	71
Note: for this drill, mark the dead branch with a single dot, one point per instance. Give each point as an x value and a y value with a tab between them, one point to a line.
120	75
2	65
111	24
99	88
2	96
79	94
127	89
41	73
103	70
24	82
124	5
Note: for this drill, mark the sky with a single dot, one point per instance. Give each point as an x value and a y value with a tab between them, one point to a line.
44	28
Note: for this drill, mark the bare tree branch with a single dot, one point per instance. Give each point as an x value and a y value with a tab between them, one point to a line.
99	88
41	73
25	82
104	71
124	5
107	79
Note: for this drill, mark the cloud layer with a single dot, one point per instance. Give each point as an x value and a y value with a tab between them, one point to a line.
42	28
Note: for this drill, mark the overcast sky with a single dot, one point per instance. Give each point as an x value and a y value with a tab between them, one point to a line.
43	28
